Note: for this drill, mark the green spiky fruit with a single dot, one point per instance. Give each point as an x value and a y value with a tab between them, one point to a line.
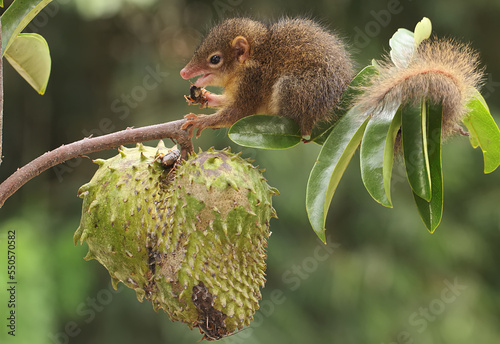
191	239
118	211
219	207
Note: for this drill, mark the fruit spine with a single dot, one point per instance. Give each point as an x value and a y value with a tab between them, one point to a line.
192	239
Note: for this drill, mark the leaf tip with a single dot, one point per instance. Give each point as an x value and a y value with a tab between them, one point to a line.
387	204
491	167
321	236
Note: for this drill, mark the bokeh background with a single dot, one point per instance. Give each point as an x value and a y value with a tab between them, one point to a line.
382	278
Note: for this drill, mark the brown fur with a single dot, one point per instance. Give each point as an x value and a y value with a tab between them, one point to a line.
295	68
441	70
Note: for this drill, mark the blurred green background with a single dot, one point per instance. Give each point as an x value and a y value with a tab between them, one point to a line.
382	278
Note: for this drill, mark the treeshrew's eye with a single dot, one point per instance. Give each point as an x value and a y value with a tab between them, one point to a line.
215	59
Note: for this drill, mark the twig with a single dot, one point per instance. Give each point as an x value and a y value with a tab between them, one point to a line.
59	155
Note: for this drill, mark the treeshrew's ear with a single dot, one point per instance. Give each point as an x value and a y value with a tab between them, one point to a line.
242	48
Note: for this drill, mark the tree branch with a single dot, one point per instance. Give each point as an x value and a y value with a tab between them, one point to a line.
76	149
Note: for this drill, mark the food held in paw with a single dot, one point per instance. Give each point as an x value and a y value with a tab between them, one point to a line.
197	96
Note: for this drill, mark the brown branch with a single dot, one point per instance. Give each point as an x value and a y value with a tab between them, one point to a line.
76	149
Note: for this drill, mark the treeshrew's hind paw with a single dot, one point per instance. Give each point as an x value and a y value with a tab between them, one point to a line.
193	122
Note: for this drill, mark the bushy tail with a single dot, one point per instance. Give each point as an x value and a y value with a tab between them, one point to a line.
441	70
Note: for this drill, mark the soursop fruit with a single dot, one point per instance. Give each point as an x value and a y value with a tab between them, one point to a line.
191	237
118	212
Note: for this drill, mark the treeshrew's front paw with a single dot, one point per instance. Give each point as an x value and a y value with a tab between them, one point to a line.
215	100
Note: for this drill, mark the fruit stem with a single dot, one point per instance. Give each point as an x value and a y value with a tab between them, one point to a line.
88	145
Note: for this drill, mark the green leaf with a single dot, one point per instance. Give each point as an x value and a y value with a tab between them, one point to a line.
478	95
483	132
30	57
320	133
389	152
330	165
414	136
354	89
402	46
265	132
474	141
17	17
377	150
431	211
423	31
